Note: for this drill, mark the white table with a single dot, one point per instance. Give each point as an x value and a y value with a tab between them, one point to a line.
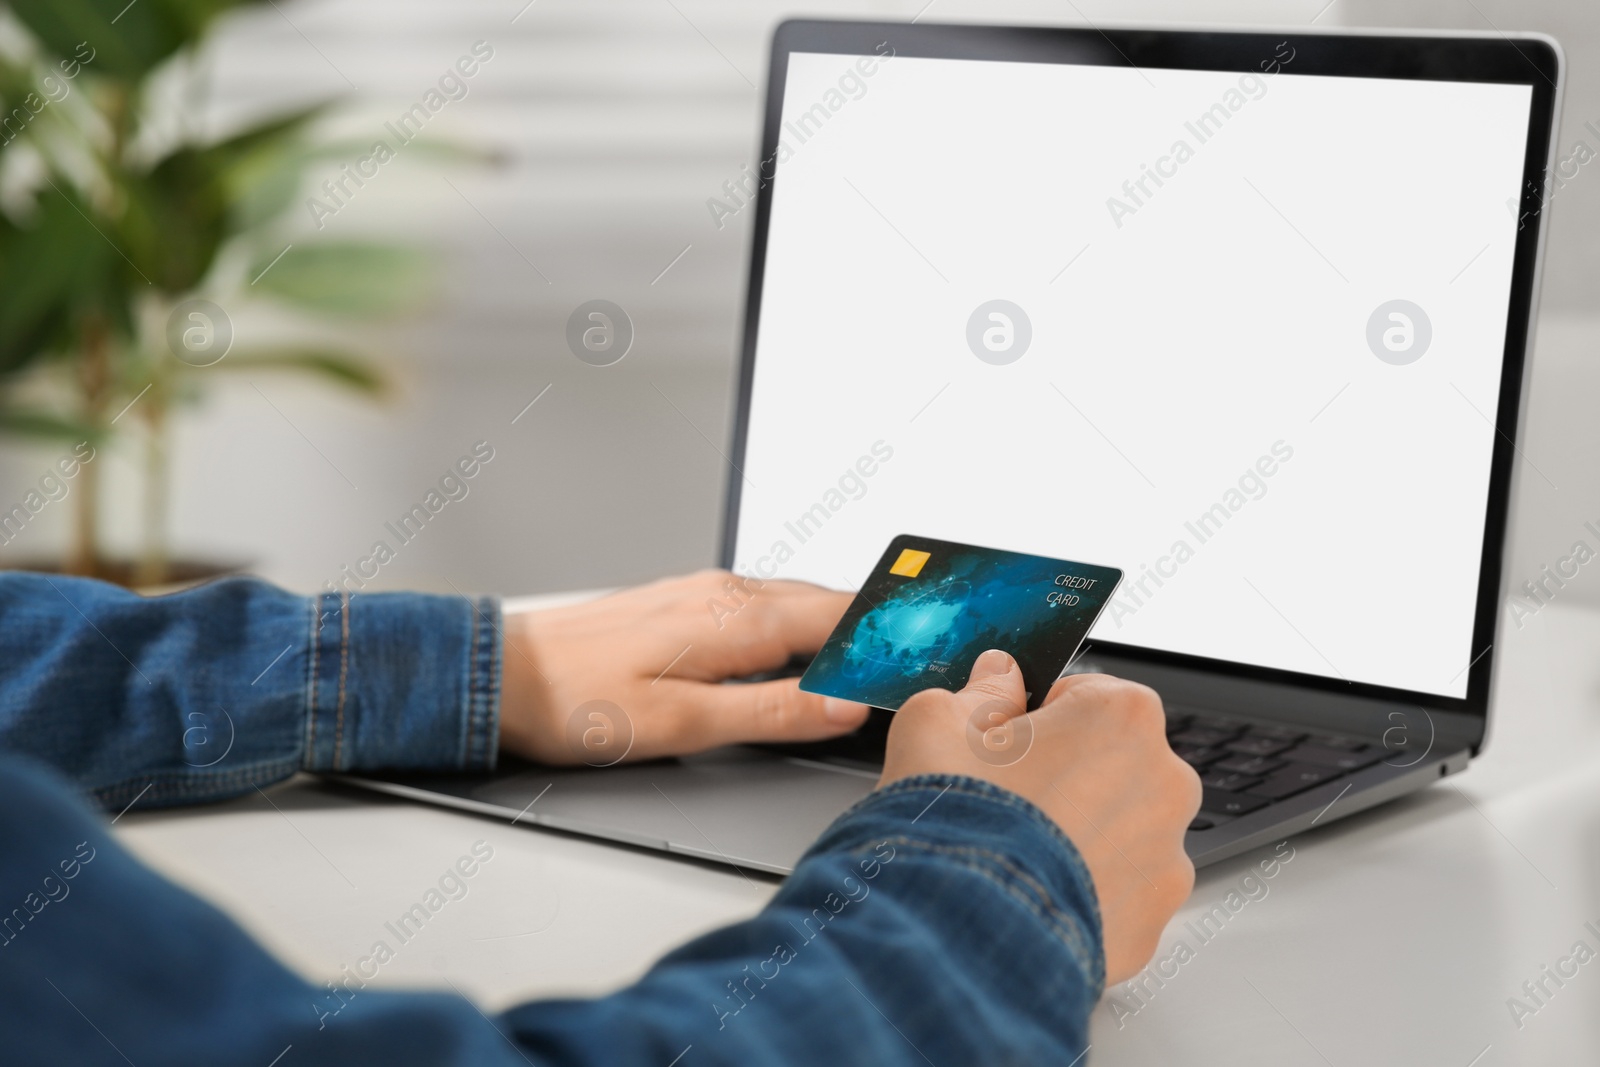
1394	937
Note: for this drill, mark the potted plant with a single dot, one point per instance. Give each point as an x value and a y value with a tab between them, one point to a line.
128	244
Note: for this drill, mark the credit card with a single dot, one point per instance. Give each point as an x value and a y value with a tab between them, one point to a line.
930	608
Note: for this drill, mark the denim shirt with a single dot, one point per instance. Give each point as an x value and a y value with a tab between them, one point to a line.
940	921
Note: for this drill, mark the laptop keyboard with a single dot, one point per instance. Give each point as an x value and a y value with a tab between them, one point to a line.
1245	766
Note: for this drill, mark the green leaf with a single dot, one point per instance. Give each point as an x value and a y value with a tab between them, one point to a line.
347	150
263	188
46	426
16	82
114	38
182	210
342	368
262	167
268	134
57	271
175	219
268	184
346	279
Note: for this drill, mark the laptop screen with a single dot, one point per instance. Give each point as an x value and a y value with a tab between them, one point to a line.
1238	334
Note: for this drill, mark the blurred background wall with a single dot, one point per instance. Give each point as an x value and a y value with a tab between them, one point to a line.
614	121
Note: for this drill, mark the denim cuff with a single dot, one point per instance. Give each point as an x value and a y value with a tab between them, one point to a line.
402	680
995	833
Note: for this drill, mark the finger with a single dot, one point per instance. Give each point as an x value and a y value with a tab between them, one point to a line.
1080	686
790	587
709	715
797	615
777	621
1063	686
1077	694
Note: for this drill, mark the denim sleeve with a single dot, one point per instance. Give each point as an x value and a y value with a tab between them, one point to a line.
211	692
940	921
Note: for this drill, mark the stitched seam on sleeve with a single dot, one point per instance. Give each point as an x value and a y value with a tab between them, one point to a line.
344	667
473	696
1041	892
494	686
994	794
1066	926
166	785
1040	895
311	717
493	668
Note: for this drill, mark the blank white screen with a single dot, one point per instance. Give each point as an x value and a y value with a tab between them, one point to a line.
1226	315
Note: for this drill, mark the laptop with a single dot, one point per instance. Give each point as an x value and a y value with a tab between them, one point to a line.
1242	314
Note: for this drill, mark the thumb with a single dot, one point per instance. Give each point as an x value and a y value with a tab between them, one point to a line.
995	679
993	695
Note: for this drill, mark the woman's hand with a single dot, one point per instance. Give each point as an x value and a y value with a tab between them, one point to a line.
637	675
1094	758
